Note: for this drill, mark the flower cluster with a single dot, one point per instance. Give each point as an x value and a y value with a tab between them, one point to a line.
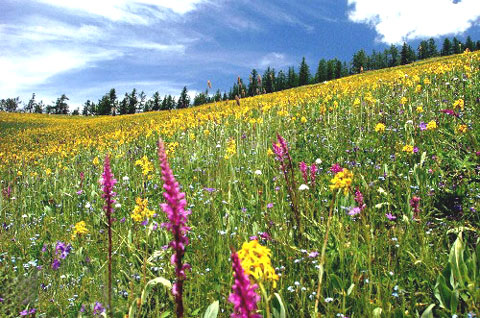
141	212
409	149
79	229
256	262
305	175
342	180
459	103
61	250
380	127
231	148
146	166
243	296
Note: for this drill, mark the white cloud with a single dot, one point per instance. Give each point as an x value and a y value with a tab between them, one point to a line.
273	59
397	21
23	72
129	11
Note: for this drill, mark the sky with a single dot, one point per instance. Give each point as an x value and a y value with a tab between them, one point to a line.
83	48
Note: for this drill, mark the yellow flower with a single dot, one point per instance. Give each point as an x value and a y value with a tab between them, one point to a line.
403	100
19	173
141	211
408	149
206	132
432	125
79	229
426	81
270	152
380	127
231	148
459	103
418	89
342	180
303	119
48	171
356	102
256	262
192	136
96	161
462	128
145	164
419	109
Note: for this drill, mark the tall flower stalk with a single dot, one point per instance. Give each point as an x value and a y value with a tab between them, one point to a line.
280	149
243	296
108	182
174	208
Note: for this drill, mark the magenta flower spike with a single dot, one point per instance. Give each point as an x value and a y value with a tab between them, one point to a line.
303	168
108	182
313	173
174	208
243	296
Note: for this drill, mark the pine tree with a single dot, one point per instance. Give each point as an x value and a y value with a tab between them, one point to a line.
124	104
432	48
457	46
469	44
330	70
184	99
61	106
321	74
253	84
338	69
86	108
394	57
104	106
422	50
132	102
156	101
359	61
291	78
38	109
280	81
31	104
269	80
404	54
112	95
304	73
446	47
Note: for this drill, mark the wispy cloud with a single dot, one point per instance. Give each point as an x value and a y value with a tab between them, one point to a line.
274	59
397	21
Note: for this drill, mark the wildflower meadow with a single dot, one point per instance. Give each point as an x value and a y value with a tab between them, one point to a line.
356	197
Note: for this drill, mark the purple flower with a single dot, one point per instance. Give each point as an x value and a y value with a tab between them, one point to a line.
265	236
243	296
415	149
335	168
27	312
210	190
356	210
252	238
98	308
449	112
177	225
313	254
303	168
359	199
108	182
55	264
422	126
62	249
269	205
390	216
313	173
79	192
1	300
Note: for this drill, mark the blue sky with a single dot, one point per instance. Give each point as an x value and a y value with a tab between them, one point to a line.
84	48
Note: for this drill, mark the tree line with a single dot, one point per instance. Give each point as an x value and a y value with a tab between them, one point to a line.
268	82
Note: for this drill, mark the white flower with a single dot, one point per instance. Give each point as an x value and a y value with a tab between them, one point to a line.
303	187
126	178
258	172
87	205
118	206
318	161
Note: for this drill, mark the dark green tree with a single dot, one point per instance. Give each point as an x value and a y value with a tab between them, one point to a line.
469	44
123	105
253	83
38	109
338	69
156	102
432	48
292	80
104	106
330	69
359	61
393	56
10	104
61	106
280	81
268	80
446	47
132	102
457	46
304	73
183	99
321	74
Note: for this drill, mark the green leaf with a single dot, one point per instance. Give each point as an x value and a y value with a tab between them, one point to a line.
164	315
150	284
442	292
212	310
428	312
278	309
350	289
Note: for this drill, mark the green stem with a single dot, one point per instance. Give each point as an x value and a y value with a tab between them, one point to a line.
266	299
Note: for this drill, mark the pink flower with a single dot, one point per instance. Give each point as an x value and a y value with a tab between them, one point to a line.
174	208
336	168
356	210
390	216
313	173
243	296
449	112
303	168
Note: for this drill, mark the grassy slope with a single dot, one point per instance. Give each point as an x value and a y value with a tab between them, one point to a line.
384	264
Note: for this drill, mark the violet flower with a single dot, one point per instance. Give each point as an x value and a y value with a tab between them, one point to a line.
177	216
243	296
313	173
108	182
336	168
359	199
390	216
449	112
414	203
98	308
